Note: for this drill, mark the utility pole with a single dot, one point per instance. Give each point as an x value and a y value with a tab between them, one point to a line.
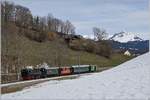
78	59
56	56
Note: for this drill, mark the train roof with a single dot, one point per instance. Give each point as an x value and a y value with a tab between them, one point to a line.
29	67
80	65
65	66
50	67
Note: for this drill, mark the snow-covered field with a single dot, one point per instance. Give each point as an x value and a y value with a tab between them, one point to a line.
130	80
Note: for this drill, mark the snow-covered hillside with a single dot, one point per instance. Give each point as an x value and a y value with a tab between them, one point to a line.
125	37
130	80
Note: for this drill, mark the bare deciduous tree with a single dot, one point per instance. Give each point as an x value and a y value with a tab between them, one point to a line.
23	16
99	34
49	22
7	10
69	28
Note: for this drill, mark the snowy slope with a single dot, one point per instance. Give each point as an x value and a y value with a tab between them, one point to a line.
125	37
130	80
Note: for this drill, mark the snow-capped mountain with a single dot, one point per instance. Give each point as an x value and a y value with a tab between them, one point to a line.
125	37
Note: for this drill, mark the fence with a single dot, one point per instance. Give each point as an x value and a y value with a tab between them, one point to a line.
11	77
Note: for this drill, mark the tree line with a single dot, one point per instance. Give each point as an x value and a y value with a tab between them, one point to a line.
23	17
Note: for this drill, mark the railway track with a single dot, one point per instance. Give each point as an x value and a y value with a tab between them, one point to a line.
17	86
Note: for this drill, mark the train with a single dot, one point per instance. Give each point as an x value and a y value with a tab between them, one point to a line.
37	73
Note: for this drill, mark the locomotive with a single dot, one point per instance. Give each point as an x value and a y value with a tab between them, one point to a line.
37	73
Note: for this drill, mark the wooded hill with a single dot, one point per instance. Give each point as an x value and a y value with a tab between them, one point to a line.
31	40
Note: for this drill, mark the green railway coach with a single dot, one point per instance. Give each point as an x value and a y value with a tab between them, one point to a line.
53	71
47	72
80	69
93	68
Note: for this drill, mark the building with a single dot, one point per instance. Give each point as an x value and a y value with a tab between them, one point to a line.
127	53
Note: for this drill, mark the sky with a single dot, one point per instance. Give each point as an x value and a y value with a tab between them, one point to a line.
112	15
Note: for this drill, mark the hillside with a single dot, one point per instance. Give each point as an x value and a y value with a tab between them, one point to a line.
20	51
31	40
129	80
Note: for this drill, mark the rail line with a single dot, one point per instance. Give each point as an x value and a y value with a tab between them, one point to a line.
16	86
43	79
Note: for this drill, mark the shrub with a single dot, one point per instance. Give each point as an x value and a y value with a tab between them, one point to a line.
104	49
51	36
76	45
37	36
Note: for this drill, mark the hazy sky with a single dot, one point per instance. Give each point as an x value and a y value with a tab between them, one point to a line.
112	15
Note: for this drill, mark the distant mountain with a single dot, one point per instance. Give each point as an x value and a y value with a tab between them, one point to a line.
124	37
135	47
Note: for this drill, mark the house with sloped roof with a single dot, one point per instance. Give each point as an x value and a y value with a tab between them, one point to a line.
127	53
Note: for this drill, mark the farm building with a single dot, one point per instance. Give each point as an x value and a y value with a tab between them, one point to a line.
127	53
